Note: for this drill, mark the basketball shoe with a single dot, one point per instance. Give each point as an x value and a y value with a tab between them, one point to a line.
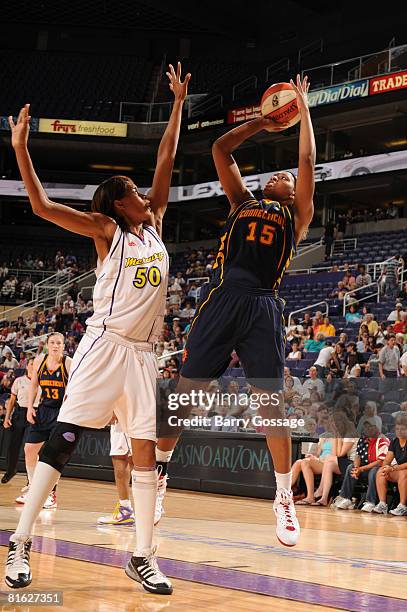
380	508
51	501
121	515
401	510
287	528
21	498
18	572
161	490
146	571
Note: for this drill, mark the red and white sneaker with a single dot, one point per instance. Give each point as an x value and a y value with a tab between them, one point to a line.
21	498
51	501
161	489
287	528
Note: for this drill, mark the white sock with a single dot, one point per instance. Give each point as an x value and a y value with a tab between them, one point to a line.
144	485
163	456
283	481
30	472
125	502
45	478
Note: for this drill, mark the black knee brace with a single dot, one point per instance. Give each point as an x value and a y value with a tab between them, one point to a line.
59	448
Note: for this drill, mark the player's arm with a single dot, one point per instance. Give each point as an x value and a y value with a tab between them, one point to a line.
9	410
33	390
95	225
304	191
226	166
167	150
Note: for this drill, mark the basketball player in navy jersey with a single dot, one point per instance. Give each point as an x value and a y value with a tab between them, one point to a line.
129	305
241	308
50	374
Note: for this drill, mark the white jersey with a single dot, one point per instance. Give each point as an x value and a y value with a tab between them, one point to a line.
131	287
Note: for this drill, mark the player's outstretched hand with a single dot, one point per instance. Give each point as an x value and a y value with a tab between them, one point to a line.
177	86
301	89
31	414
21	129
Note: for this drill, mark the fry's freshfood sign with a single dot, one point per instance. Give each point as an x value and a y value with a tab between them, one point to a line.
390	82
82	128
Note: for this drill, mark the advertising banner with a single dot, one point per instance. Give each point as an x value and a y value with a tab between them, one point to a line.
388	82
244	113
339	93
197	125
4	124
344	168
82	128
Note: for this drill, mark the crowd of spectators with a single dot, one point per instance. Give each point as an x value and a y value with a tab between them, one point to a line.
17	274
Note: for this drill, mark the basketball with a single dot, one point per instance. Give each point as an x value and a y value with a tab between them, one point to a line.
279	101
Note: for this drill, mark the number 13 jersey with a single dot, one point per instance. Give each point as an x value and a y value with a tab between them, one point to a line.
131	287
257	245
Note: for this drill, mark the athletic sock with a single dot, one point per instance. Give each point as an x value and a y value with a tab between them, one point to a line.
162	459
125	502
144	493
44	479
283	481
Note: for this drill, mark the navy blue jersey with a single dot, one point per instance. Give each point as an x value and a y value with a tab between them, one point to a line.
257	245
53	384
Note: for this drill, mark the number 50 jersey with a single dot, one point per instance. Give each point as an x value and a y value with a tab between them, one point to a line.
257	245
131	287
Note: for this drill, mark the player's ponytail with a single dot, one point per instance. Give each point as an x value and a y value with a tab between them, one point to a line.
113	188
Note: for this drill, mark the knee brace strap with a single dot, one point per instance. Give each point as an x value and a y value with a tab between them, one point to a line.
61	445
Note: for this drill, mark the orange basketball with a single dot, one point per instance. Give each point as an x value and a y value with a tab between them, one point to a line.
280	102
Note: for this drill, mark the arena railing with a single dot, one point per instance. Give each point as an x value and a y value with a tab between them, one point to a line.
169	355
343	244
32	272
63	290
347	304
12	314
309	307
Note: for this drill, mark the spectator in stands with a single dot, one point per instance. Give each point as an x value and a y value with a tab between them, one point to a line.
311	466
294	331
349	280
403	364
372	325
389	359
326	328
329	236
339	291
362	345
372	366
396	315
399	326
324	359
352	357
389	278
403	410
403	292
341	226
3	270
295	353
369	412
371	451
337	363
187	312
363	278
392	211
296	381
394	469
9	361
307	321
343	337
311	345
335	268
313	383
317	321
22	364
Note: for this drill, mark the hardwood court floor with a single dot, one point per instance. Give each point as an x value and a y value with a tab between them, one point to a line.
221	553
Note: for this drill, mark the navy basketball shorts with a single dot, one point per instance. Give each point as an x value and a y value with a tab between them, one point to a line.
253	325
45	421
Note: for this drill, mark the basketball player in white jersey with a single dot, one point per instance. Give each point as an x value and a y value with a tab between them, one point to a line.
129	302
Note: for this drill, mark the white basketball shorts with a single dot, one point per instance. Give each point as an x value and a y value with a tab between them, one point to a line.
120	443
112	374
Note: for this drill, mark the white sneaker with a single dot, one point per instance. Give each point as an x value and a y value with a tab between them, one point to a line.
51	501
121	515
161	489
18	572
21	499
287	527
380	508
344	504
367	507
401	510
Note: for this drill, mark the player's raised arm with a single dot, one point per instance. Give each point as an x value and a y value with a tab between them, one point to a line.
226	166
94	225
304	191
167	150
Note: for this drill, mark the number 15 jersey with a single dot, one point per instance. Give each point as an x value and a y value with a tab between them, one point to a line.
257	245
131	287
